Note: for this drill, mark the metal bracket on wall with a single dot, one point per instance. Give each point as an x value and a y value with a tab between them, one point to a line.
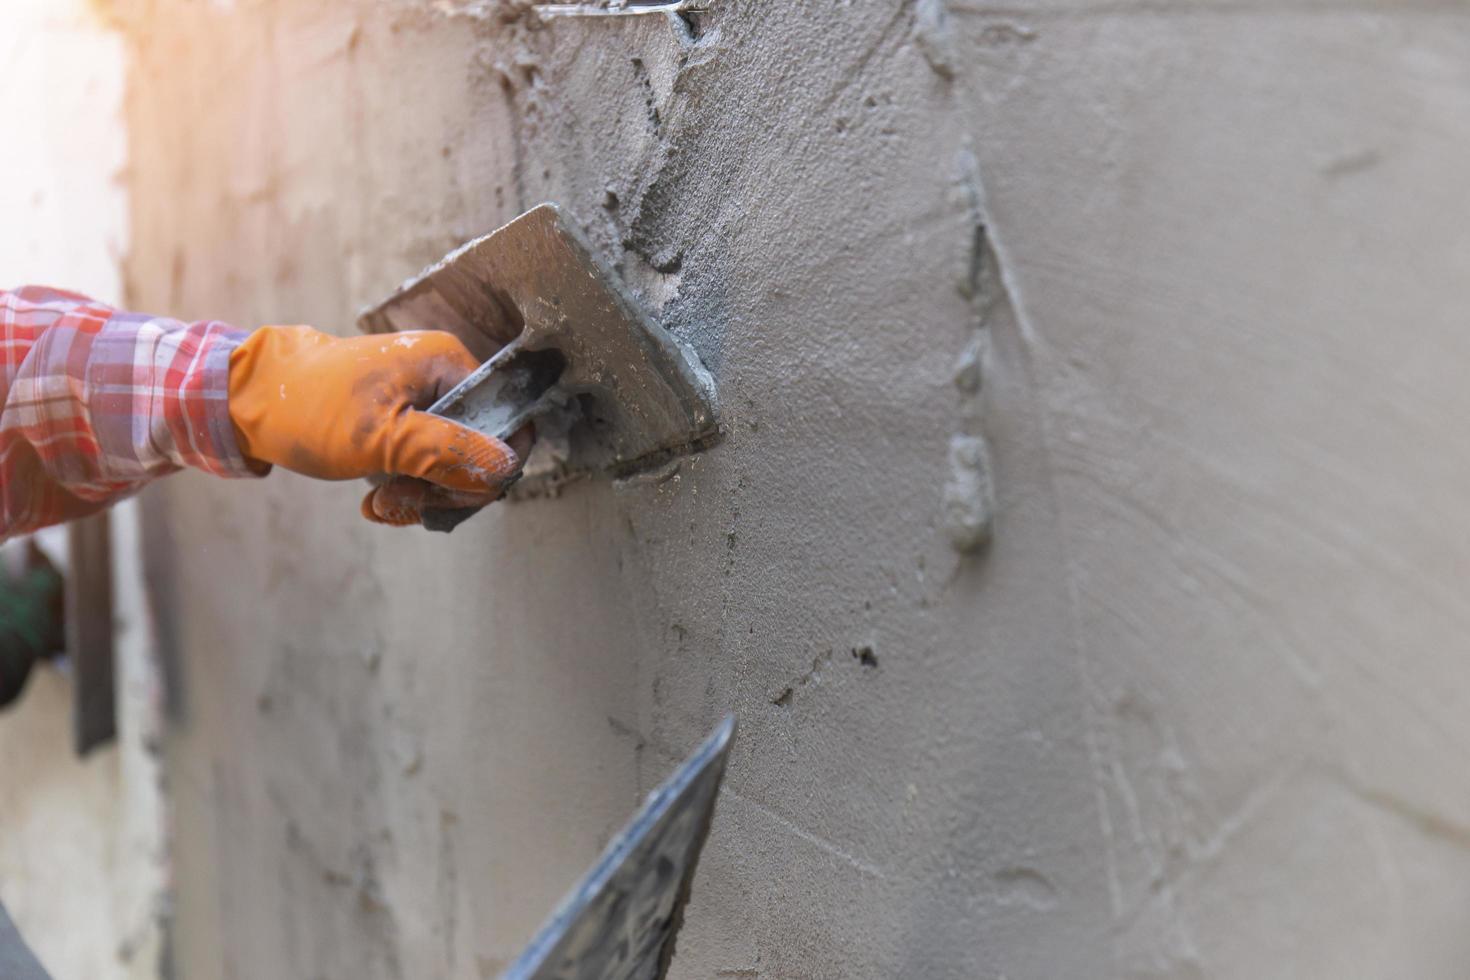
620	8
620	921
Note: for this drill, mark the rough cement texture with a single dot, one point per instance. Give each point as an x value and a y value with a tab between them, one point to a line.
1197	275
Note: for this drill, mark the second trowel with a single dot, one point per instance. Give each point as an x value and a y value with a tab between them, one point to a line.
608	389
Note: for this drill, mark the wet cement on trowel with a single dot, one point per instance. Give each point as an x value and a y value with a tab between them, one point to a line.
608	390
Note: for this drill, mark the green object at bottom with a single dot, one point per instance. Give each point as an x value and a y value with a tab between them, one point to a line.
30	625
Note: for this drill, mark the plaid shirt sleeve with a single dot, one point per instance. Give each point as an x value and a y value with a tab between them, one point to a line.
95	402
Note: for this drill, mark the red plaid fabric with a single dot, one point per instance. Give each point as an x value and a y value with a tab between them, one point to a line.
95	402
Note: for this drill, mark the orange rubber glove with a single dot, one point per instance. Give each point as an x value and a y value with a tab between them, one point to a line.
341	408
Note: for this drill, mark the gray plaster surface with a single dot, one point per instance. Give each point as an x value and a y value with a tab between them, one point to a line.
1196	274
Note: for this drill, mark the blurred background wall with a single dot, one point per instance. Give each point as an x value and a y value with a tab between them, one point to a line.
1172	295
81	853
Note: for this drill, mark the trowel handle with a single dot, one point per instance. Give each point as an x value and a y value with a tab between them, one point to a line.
501	395
505	392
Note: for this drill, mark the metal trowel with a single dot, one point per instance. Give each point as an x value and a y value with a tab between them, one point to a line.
608	388
621	920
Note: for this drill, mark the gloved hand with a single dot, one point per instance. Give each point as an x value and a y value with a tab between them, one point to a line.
340	408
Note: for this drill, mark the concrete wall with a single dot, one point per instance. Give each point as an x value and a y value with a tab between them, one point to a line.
1196	271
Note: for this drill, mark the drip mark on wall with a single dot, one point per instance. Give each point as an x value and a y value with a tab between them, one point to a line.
932	36
1024	887
967	501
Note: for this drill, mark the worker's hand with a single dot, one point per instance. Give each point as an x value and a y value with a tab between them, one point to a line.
340	408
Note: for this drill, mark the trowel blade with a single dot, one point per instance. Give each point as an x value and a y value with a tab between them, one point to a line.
630	396
620	921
